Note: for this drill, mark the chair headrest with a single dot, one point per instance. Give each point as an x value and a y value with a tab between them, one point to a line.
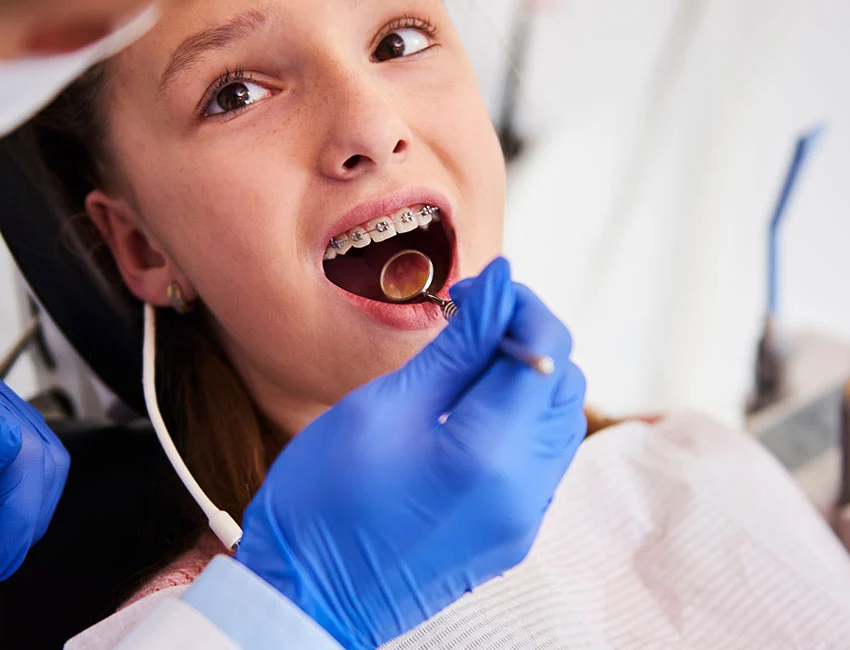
100	319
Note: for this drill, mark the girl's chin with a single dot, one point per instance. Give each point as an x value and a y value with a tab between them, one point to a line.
410	317
421	315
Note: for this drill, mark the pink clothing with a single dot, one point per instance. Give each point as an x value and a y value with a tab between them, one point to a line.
181	571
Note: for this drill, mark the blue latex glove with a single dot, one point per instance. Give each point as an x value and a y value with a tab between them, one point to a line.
33	469
376	516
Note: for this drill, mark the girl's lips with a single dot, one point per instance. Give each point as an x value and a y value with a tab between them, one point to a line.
412	316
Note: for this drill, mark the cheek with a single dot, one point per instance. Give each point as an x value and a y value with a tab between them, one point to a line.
229	224
211	207
472	151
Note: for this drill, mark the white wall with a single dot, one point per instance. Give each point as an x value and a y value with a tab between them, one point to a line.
677	121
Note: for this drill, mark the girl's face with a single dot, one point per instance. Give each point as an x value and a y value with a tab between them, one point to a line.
248	134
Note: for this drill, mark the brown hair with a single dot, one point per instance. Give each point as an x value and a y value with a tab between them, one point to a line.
225	440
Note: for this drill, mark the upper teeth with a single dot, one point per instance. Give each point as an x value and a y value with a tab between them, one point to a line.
382	228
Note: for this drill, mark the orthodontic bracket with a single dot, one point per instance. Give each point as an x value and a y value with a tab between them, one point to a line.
383	226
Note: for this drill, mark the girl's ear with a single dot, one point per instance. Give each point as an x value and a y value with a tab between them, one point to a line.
146	268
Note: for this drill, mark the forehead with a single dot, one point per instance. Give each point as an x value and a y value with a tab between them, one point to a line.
192	27
185	15
197	19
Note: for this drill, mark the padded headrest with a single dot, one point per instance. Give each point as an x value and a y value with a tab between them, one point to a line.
100	319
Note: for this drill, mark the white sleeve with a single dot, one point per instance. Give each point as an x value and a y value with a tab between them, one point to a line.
160	621
227	607
176	625
109	632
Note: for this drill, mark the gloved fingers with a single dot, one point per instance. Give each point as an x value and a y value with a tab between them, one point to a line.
33	478
570	390
564	424
552	455
538	329
21	497
56	466
15	408
505	403
513	399
438	376
565	442
460	290
11	440
48	460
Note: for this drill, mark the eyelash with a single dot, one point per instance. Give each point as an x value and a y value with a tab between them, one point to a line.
408	22
229	77
239	74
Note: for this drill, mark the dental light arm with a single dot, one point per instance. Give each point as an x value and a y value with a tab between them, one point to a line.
220	522
770	363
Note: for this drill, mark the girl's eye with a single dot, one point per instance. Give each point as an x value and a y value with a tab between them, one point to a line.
235	96
402	42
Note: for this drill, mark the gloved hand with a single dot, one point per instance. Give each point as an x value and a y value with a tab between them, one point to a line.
33	469
377	515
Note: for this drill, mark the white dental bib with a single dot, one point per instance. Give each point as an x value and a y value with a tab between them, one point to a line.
682	535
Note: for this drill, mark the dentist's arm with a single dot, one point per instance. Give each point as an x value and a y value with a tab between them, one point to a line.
383	512
48	27
46	44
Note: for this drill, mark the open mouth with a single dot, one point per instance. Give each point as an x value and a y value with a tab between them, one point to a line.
354	259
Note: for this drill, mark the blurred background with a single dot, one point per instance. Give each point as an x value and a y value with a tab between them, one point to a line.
657	137
651	142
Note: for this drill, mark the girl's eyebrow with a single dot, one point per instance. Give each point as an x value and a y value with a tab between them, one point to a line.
193	48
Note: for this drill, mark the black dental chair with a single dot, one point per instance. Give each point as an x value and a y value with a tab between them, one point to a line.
123	510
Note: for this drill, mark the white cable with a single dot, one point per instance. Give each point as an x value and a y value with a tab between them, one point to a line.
221	523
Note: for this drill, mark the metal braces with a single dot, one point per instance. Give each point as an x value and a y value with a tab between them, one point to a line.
383	226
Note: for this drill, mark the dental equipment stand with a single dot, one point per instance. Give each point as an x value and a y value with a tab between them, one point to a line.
770	362
800	408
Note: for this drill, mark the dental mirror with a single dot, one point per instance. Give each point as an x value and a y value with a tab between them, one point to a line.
408	275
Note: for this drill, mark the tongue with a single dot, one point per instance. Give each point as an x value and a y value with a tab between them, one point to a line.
359	270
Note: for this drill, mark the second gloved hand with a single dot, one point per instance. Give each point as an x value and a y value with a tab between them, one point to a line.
33	469
427	482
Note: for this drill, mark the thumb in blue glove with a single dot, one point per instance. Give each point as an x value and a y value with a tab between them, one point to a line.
427	482
33	469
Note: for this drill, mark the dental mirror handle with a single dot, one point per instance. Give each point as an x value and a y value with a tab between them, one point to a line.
542	364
